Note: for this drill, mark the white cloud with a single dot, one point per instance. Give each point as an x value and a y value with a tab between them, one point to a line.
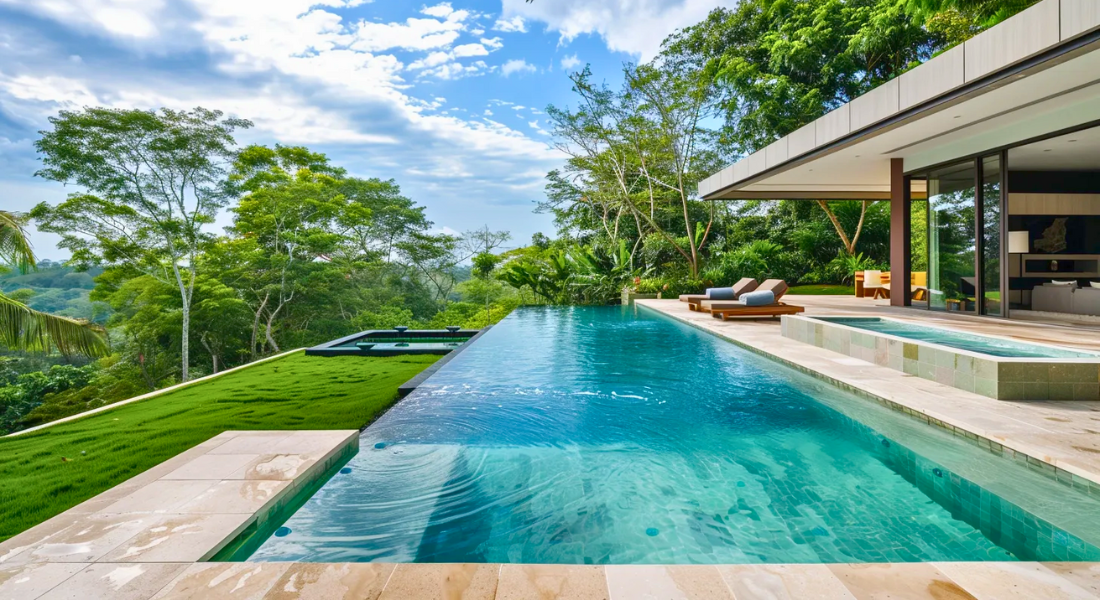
538	129
305	74
132	19
488	113
454	70
570	62
636	27
512	25
439	10
516	65
413	34
470	50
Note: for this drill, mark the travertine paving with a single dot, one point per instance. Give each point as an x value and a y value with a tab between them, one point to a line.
377	581
1060	434
131	540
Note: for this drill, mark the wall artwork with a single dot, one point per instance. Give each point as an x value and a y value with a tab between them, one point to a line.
1054	237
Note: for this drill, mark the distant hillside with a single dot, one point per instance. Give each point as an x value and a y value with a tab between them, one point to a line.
57	289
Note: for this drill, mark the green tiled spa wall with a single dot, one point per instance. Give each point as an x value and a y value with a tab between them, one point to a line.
995	378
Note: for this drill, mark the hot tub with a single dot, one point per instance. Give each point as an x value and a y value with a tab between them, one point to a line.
992	366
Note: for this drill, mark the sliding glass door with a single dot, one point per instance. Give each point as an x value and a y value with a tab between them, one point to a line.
951	238
965	232
991	232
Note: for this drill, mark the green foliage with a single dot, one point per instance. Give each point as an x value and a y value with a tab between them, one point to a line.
844	267
112	379
636	156
484	263
154	180
384	317
578	274
101	451
779	64
22	393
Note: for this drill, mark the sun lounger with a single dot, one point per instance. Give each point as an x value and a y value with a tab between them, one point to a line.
771	310
745	285
764	302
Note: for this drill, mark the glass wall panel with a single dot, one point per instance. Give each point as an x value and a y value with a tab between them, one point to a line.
918	241
991	236
951	245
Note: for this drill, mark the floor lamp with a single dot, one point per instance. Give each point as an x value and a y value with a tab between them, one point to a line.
1019	243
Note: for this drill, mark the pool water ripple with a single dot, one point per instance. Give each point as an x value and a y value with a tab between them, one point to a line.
595	435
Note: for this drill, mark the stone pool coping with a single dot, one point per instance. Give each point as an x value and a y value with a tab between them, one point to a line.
179	512
488	581
1058	439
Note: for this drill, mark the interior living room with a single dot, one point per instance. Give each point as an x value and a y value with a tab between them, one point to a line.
1054	225
1040	217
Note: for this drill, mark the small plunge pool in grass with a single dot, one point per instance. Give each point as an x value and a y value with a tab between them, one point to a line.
607	436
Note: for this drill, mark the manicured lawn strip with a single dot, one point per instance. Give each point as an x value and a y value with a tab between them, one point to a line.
822	290
45	473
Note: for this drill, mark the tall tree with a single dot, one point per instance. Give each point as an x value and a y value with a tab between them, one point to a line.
23	328
286	221
154	181
638	153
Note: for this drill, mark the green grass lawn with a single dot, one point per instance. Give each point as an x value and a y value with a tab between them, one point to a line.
822	290
45	473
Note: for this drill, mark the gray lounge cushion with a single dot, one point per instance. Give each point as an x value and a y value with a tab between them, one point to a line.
758	298
725	293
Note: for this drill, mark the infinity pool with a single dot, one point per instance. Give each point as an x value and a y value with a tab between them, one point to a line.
601	436
963	341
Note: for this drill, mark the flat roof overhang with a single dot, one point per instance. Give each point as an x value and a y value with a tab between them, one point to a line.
1034	75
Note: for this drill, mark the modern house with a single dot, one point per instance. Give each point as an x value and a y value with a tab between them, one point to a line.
990	152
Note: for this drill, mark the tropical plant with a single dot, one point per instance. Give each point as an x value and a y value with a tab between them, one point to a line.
23	328
155	180
845	266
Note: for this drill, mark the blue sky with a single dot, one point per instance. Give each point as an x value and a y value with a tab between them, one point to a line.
445	98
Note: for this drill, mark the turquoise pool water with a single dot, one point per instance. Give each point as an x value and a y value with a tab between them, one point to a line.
962	341
596	435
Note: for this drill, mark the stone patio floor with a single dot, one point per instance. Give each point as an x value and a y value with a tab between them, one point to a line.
146	538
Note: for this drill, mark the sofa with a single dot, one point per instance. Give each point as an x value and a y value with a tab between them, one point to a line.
1070	299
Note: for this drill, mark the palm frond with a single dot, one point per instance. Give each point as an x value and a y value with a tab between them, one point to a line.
15	248
26	329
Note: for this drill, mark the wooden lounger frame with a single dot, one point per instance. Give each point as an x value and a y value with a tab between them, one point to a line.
770	310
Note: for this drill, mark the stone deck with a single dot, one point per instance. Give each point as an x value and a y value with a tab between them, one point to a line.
131	540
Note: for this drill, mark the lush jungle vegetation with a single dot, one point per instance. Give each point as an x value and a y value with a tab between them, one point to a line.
154	294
